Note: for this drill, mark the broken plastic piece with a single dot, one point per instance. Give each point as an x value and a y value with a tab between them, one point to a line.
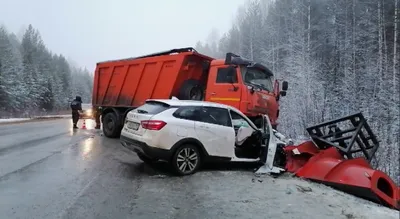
264	169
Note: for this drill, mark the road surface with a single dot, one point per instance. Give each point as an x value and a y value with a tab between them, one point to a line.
47	170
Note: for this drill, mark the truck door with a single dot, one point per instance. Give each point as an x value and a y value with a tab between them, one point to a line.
222	88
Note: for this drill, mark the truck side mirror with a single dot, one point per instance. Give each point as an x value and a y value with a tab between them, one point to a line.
231	75
285	86
282	93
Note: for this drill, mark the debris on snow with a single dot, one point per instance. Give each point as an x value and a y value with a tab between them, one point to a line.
303	188
347	215
158	176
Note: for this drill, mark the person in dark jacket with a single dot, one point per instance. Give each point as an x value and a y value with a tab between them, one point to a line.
76	106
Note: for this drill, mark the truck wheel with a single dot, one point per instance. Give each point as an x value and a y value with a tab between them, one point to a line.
111	127
186	160
191	90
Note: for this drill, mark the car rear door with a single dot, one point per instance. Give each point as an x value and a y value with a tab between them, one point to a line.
214	130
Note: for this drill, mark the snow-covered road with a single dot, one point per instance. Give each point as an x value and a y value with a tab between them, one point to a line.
48	170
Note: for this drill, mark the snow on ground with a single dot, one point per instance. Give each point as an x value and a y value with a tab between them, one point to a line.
241	194
12	120
287	197
53	116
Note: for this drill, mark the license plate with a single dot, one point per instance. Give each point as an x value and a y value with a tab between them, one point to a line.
133	125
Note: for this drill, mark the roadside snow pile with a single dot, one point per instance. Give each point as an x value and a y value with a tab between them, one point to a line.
283	197
13	120
240	194
52	117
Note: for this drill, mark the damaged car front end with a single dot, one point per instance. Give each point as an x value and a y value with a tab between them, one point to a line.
272	155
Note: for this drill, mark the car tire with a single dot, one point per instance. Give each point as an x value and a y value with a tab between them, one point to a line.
186	160
111	127
191	90
145	159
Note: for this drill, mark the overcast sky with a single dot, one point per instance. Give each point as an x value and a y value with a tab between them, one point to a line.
88	31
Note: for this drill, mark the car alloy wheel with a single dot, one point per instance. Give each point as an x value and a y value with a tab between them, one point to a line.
186	160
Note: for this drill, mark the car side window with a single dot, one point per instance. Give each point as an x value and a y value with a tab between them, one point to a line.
222	76
238	120
215	115
188	112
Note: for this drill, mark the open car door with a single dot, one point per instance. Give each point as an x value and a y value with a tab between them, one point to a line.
273	147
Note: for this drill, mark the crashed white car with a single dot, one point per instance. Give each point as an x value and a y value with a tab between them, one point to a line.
187	133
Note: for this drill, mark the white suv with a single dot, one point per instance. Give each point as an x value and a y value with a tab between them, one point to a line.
187	133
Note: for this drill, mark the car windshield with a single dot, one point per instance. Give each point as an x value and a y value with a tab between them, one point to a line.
257	77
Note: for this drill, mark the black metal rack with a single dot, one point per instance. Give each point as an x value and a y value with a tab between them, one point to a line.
234	59
350	134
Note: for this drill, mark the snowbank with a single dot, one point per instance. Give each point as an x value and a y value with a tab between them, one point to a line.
288	197
12	120
241	194
52	116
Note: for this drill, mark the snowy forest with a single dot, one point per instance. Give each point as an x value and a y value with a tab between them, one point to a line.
35	81
339	56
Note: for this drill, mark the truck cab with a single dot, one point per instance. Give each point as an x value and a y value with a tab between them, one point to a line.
245	85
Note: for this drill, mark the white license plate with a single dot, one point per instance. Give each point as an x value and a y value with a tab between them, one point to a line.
133	125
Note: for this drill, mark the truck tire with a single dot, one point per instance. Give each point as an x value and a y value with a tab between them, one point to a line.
111	125
191	90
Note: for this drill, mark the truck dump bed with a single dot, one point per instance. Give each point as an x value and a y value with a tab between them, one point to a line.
129	82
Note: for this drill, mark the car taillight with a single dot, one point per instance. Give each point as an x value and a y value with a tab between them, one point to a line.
153	124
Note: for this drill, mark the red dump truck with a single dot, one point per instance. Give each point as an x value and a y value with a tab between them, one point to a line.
122	85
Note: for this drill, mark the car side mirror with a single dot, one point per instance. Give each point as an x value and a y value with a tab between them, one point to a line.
285	86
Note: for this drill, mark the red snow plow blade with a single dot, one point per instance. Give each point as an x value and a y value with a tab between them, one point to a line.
333	158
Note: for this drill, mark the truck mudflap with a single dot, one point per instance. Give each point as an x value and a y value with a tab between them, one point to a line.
339	156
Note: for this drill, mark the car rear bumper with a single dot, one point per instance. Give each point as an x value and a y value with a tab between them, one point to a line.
143	148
